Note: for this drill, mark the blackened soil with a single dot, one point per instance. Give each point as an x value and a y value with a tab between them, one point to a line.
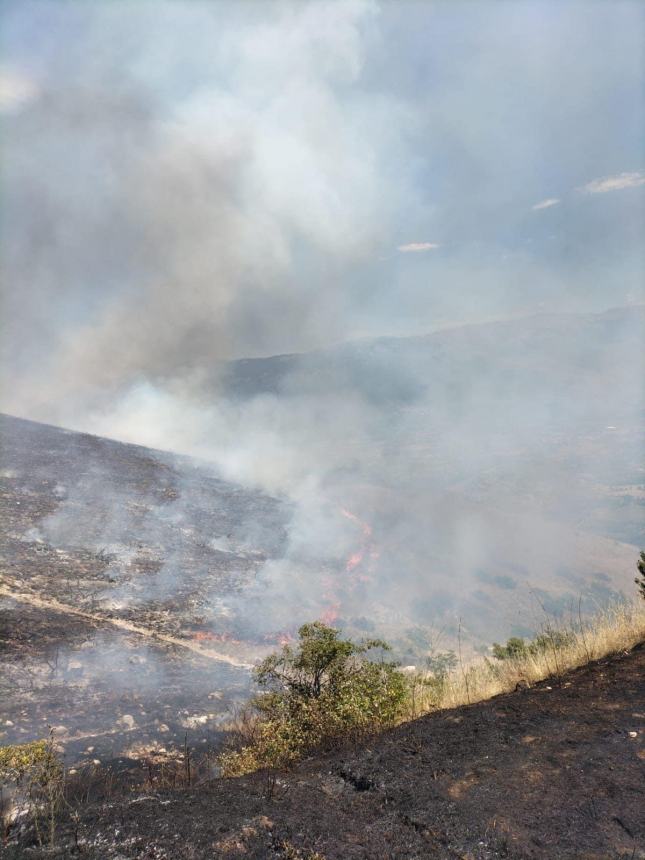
556	771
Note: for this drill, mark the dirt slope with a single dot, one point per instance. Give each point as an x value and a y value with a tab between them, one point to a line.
556	771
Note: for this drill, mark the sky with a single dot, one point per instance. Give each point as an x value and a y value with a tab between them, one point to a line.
189	182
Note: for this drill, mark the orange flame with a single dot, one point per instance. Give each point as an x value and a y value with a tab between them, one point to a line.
353	561
364	527
330	614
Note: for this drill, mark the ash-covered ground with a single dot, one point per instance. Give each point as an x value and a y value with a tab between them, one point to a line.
106	548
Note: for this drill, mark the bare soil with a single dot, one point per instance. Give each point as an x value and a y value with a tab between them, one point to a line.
554	771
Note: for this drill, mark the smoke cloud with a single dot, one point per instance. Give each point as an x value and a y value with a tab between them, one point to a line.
187	185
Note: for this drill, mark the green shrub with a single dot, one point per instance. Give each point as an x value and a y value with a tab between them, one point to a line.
36	771
517	649
20	760
433	683
326	688
441	664
514	649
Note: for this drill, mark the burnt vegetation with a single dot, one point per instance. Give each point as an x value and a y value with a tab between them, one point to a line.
461	783
333	721
137	712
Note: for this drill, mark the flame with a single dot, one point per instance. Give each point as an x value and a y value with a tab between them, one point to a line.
353	561
367	550
364	527
330	614
360	564
282	637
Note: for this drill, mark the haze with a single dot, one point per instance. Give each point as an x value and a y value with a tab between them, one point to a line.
188	184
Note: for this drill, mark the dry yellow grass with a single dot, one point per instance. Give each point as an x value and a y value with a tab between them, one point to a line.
615	629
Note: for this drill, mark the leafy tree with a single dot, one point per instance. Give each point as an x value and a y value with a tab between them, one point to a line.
640	579
322	662
325	688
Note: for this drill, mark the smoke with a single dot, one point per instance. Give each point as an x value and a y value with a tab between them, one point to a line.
188	184
180	232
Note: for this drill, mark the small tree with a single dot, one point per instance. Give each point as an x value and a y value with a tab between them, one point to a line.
322	662
640	579
325	688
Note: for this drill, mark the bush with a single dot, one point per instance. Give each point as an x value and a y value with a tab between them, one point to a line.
18	760
514	649
432	684
36	773
326	688
517	649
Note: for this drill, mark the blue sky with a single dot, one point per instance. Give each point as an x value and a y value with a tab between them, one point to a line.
189	182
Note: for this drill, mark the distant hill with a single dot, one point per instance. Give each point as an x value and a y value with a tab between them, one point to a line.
551	355
502	453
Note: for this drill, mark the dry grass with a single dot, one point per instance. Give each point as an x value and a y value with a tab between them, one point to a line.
618	628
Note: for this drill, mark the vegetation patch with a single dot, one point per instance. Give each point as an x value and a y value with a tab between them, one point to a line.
325	688
32	781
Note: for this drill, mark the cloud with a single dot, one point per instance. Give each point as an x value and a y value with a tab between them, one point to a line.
416	247
614	183
546	204
16	90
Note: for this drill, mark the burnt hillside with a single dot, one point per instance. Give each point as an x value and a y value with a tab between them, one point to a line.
555	771
115	561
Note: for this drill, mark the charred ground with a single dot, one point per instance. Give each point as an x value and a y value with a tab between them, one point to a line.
95	623
553	771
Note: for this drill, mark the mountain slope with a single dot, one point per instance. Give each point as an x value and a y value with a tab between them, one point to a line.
553	771
115	565
553	354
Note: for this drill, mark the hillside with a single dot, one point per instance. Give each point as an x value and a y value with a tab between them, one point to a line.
115	565
552	771
139	585
488	460
547	355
